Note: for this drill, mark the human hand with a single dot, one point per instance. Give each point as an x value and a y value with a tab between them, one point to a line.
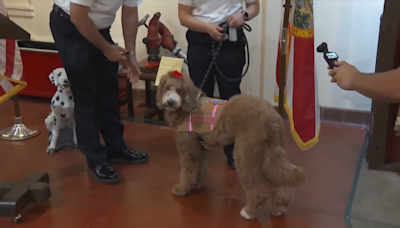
115	53
236	20
216	33
343	75
133	68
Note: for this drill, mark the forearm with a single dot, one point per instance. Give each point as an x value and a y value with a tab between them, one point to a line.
188	21
193	24
87	28
253	9
130	21
384	87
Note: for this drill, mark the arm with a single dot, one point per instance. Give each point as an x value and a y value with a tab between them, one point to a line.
252	8
130	27
187	20
79	15
384	87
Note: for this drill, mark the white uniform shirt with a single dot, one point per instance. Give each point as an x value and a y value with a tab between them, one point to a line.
214	11
102	12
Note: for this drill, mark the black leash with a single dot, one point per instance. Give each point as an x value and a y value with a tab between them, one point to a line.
215	54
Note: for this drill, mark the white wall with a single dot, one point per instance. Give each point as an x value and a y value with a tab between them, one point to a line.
350	27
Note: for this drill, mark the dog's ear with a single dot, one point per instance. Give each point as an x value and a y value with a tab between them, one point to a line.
189	103
159	93
53	79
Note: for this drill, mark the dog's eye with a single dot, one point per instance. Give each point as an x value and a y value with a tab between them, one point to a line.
178	90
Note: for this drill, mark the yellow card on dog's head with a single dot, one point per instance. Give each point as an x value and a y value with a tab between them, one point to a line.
168	64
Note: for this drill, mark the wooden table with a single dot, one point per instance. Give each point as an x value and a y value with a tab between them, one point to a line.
148	75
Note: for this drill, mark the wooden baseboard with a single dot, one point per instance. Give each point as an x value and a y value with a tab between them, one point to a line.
327	113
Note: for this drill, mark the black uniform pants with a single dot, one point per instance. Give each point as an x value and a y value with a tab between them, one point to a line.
94	85
230	61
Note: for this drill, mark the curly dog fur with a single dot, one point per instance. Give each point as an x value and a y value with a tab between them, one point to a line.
257	131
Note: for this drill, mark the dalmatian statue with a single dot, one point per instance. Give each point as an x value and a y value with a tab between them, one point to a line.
62	109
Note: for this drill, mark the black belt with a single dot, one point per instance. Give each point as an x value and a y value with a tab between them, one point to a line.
60	12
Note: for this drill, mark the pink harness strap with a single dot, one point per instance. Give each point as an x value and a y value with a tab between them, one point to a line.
203	119
214	113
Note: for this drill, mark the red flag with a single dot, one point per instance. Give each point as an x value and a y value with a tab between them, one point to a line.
301	93
11	70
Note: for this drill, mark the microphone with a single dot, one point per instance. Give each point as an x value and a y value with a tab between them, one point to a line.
322	48
330	57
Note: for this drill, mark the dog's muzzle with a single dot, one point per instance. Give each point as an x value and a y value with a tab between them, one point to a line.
65	85
171	100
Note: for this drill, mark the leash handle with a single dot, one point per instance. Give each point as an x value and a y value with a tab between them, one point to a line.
216	51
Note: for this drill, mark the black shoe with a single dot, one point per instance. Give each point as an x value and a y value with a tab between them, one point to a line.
231	163
127	156
103	173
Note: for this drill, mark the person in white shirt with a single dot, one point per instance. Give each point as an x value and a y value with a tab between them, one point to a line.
81	31
203	20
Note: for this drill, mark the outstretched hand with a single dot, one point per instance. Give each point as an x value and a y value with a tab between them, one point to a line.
133	69
343	75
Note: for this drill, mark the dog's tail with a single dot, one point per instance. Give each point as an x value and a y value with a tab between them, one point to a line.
49	121
276	167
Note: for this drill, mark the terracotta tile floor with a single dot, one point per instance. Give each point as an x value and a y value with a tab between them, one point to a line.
143	199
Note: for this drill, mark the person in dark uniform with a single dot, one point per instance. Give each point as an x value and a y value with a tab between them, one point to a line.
203	20
81	31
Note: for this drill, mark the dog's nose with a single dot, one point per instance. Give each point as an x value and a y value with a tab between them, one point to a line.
65	81
170	102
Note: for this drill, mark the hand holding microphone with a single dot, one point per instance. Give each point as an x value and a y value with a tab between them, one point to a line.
344	74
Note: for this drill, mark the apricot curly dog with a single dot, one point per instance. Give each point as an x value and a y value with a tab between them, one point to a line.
257	131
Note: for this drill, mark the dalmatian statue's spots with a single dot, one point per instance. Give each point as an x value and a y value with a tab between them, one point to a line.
62	108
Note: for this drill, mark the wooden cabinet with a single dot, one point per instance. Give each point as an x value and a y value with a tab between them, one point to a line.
384	145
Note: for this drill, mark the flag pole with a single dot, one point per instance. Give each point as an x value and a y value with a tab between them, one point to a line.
11	31
282	70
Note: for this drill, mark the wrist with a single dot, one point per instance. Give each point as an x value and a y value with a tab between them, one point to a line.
245	15
208	27
132	54
354	80
106	47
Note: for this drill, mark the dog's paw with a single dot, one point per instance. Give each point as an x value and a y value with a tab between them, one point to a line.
50	150
204	146
246	215
178	190
199	185
278	211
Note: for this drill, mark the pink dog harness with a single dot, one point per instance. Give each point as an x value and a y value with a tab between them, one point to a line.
205	117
